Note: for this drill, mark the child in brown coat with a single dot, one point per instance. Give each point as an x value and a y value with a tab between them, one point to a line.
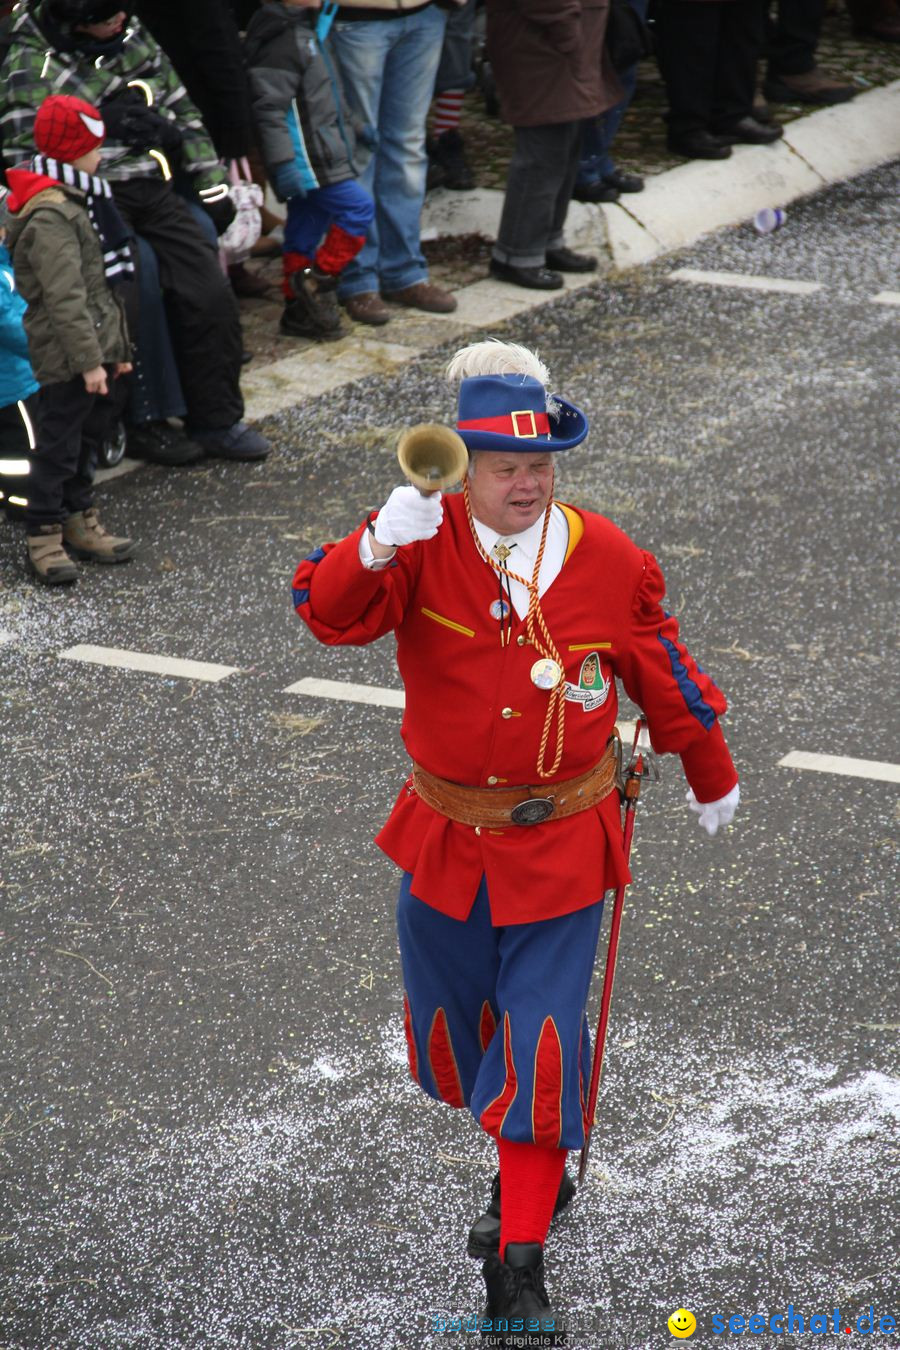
69	246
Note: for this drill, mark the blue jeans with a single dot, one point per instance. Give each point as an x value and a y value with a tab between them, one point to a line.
598	133
387	68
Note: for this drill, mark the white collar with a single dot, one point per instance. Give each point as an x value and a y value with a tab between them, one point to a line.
523	546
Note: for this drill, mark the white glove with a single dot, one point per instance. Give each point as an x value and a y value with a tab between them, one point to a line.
714	814
407	516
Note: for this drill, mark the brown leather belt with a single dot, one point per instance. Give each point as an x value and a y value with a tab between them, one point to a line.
525	805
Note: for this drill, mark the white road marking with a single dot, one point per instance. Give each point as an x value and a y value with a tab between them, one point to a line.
153	665
743	282
124	466
348	693
850	768
6	636
886	298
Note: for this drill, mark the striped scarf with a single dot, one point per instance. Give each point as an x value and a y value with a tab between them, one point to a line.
102	211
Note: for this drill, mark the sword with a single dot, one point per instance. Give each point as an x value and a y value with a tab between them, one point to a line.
640	766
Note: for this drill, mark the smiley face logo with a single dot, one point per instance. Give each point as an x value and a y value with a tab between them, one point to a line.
682	1323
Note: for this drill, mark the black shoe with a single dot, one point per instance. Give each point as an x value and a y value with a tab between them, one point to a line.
749	132
699	145
161	443
516	1295
567	260
623	182
595	192
296	321
533	278
235	442
449	153
316	297
484	1235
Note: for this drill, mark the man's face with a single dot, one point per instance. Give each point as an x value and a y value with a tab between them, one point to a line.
108	28
509	491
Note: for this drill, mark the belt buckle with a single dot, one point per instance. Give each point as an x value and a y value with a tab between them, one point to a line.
532	811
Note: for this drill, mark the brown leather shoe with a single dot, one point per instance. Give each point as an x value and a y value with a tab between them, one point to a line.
367	307
47	559
88	539
813	86
423	295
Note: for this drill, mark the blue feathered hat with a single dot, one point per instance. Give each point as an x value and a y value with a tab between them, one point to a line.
513	412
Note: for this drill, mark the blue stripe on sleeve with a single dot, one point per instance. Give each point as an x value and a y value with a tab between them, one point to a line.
690	691
316	556
300	597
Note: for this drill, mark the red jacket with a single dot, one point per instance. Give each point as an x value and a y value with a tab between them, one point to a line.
437	599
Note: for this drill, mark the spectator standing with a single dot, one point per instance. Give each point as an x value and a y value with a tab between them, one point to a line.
305	138
388	57
69	247
708	50
792	75
152	126
598	178
203	43
552	73
447	163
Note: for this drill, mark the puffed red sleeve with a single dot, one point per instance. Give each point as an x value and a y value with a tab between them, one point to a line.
344	603
681	702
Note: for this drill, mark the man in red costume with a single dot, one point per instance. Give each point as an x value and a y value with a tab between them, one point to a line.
513	616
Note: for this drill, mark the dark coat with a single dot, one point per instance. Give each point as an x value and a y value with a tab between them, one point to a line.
549	60
297	101
202	41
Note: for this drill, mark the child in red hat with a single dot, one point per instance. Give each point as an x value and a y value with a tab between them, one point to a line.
69	249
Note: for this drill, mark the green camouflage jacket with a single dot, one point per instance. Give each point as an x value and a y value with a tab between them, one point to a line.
33	69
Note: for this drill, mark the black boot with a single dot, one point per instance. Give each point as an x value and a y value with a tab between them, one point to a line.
518	1312
449	152
484	1235
314	313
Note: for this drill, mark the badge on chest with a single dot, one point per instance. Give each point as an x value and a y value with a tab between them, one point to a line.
592	689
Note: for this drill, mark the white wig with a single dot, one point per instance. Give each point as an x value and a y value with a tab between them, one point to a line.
496	358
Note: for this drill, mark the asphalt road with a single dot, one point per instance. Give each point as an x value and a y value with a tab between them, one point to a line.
208	1134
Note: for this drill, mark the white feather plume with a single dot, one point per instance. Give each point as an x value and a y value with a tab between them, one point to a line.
494	357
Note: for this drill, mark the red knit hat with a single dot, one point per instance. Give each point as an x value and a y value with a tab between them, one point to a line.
66	128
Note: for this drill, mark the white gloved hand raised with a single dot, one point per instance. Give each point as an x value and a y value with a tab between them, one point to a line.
407	516
714	814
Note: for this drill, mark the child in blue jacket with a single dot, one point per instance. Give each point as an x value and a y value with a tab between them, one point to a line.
17	383
307	145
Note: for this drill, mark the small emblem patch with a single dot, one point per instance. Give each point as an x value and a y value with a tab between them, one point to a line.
499	609
592	689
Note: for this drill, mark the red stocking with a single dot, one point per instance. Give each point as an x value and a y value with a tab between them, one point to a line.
529	1184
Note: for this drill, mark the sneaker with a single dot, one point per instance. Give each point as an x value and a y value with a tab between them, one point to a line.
813	86
314	293
236	442
423	295
87	539
161	443
623	182
47	560
516	1297
367	307
449	153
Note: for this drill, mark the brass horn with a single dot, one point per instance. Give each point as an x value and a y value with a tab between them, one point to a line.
432	457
